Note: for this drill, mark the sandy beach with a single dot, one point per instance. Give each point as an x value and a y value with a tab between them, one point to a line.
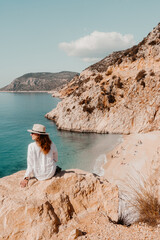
133	156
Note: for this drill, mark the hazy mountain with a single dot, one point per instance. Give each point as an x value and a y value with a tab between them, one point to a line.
42	81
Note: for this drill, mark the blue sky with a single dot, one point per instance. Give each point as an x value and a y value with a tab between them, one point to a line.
59	35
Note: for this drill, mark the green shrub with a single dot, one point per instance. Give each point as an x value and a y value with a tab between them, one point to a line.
141	75
88	109
98	78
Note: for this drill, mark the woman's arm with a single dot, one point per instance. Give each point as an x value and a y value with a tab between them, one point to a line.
55	154
30	157
29	170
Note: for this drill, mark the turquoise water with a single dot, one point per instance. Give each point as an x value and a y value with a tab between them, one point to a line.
19	111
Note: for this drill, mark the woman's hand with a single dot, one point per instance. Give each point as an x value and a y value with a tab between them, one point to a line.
24	183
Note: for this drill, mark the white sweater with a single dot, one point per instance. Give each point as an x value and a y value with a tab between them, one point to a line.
40	165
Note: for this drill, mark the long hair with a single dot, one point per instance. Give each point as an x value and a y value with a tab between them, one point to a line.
44	142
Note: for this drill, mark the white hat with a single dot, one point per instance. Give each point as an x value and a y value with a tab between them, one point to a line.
39	129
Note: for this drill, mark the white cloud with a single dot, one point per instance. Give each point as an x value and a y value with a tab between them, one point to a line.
97	45
91	59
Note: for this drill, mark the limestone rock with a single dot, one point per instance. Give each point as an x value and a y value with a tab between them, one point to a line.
40	210
74	234
119	94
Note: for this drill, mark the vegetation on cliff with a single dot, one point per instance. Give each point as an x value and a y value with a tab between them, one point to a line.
119	94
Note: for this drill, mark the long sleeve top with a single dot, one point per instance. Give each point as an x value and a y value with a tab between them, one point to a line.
40	165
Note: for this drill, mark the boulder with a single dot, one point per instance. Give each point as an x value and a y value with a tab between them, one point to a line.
43	207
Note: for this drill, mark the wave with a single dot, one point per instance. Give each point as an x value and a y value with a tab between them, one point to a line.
98	167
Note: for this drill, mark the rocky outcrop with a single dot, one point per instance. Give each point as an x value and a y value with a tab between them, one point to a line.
119	94
73	204
45	209
43	81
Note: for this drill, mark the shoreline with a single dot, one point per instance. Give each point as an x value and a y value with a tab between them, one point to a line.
134	151
25	92
131	154
132	157
101	160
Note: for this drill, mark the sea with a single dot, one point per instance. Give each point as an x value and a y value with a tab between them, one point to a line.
18	113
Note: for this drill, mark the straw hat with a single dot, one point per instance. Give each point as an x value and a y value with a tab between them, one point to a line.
38	129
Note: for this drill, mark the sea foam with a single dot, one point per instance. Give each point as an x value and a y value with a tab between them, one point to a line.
98	167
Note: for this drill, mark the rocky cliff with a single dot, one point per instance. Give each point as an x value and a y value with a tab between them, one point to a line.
73	204
51	209
40	81
119	94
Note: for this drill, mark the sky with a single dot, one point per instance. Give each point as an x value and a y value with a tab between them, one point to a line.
68	35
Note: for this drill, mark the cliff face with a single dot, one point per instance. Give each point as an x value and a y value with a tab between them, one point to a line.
73	204
39	81
51	209
119	94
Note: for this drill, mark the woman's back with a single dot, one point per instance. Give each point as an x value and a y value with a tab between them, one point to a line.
43	165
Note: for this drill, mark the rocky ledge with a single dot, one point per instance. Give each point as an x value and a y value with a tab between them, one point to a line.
119	94
52	209
73	204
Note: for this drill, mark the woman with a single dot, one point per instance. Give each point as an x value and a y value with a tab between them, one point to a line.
42	156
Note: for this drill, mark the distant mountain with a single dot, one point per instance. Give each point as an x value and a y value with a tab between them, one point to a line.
42	81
